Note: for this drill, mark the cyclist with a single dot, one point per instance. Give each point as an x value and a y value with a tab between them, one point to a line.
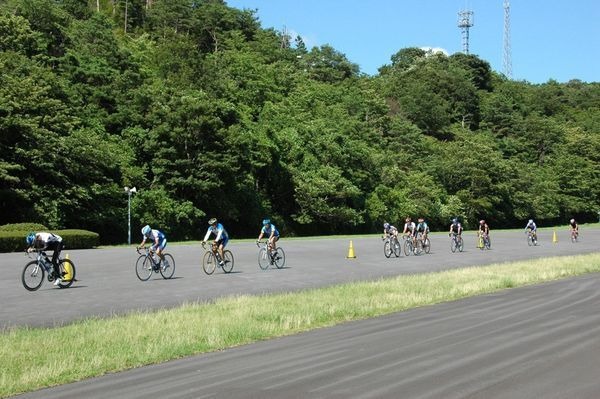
160	242
389	231
484	229
409	227
270	230
532	228
221	237
43	241
422	228
455	227
574	227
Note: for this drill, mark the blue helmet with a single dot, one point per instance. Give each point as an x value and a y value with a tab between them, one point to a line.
146	230
266	221
30	238
455	220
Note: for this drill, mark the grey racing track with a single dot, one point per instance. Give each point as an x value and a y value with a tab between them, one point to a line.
536	341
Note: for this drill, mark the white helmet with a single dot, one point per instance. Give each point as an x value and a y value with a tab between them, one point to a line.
146	230
530	221
572	220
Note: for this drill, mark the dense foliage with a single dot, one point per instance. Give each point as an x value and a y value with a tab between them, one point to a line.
207	113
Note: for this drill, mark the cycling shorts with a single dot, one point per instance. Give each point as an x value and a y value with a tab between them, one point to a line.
161	244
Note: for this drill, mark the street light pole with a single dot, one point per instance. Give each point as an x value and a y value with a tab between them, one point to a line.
129	191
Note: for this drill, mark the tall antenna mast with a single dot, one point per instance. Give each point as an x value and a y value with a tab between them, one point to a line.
465	21
506	59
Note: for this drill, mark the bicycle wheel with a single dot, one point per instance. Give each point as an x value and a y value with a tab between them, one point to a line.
143	267
573	238
228	261
67	268
419	247
263	259
460	244
488	243
453	244
209	263
397	248
426	245
529	240
170	270
387	248
279	258
33	276
408	247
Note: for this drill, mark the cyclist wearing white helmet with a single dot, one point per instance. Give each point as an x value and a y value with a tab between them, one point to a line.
159	243
532	228
221	236
389	230
574	227
269	230
43	241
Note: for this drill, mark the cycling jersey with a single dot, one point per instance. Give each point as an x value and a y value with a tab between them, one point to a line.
531	226
157	235
268	230
455	227
391	230
219	232
574	225
422	227
43	239
410	227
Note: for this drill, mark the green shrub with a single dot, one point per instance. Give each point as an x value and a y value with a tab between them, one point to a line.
23	227
13	241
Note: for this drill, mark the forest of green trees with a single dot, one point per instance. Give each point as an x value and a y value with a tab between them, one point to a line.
207	114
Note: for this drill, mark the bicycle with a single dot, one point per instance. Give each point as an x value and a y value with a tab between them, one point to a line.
147	263
212	259
391	246
531	238
456	242
35	271
412	246
484	241
268	257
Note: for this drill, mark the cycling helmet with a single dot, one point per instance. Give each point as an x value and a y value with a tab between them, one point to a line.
30	238
386	225
212	221
572	220
530	221
266	221
482	221
454	221
407	220
146	230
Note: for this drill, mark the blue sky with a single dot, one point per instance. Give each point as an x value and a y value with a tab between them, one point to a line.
550	39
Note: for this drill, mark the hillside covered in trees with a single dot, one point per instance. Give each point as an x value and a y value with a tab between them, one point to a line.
207	113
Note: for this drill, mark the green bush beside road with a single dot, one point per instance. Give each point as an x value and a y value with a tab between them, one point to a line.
13	241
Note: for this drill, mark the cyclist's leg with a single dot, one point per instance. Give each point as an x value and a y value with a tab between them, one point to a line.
56	247
161	249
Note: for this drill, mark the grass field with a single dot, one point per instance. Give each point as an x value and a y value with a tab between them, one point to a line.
33	358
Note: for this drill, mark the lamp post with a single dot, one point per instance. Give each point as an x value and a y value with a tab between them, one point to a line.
129	191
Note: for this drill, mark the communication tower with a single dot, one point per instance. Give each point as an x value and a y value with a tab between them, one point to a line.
506	59
465	21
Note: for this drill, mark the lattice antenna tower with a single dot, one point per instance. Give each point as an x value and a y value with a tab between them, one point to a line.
465	21
507	58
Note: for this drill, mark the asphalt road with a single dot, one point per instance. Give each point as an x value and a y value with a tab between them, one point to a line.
107	284
533	342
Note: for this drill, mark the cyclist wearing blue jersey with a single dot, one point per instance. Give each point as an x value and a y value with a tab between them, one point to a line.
221	236
159	243
271	231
